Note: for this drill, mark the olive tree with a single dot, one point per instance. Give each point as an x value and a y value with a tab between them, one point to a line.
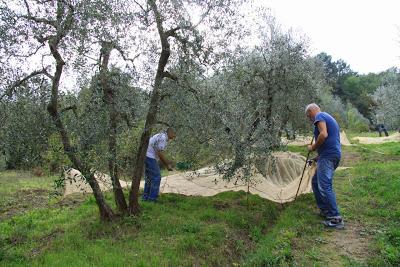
387	98
25	126
177	29
52	35
35	38
238	113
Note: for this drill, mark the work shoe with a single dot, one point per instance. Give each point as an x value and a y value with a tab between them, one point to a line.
334	222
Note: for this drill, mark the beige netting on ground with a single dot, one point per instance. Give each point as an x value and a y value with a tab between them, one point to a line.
343	139
276	179
378	140
299	141
305	140
75	182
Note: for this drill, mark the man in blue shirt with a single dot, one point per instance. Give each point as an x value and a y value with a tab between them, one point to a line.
327	144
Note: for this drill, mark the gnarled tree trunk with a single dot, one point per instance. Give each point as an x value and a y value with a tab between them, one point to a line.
109	97
63	27
134	207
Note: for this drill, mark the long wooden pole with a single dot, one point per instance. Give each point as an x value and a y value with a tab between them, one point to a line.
304	169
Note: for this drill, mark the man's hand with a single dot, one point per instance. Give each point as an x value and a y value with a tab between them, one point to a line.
311	161
310	148
171	165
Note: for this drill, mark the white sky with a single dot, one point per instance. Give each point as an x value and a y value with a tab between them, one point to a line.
364	33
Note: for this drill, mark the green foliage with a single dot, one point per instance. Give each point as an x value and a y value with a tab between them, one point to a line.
350	86
25	128
356	121
357	90
88	125
332	104
387	99
128	143
347	116
2	162
55	157
239	113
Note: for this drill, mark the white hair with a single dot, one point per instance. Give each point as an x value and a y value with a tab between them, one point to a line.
311	106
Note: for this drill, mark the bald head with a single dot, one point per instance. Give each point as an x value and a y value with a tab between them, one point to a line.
312	106
312	110
171	133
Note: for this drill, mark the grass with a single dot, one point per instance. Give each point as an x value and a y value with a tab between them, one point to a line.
20	191
372	196
210	231
12	181
369	196
177	231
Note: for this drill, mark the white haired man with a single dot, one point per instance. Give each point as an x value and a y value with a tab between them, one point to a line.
327	144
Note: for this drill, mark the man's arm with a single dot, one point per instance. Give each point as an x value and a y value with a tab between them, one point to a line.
323	134
164	160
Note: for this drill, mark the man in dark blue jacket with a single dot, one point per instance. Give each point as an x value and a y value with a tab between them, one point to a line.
381	128
327	144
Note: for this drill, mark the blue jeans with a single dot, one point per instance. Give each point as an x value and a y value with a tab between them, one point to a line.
322	187
152	180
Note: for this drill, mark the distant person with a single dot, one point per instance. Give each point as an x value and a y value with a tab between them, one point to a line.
327	144
155	153
381	128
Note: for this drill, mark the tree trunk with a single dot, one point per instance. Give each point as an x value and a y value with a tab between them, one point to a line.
105	211
109	98
134	207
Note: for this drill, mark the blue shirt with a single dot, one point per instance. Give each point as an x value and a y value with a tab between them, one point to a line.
331	148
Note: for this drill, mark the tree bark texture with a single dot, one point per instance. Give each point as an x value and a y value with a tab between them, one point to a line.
109	98
106	212
138	171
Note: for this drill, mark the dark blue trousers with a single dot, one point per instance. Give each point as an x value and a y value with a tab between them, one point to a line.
152	180
323	188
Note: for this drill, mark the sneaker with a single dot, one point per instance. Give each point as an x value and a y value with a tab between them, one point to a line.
334	222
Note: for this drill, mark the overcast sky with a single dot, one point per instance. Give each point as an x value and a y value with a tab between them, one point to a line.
364	33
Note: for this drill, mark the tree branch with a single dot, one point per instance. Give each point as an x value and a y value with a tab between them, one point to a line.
121	52
141	7
9	92
35	19
203	16
29	54
172	32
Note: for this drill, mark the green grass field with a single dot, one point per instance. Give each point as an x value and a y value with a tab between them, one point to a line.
38	229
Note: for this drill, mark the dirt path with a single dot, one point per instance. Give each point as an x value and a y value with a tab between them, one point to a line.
348	246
